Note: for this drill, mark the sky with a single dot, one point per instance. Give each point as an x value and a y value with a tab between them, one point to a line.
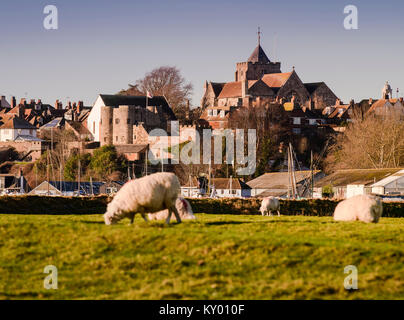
101	46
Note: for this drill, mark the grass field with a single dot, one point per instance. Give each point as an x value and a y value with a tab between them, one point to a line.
215	257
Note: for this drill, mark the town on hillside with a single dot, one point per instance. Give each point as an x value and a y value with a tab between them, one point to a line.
303	132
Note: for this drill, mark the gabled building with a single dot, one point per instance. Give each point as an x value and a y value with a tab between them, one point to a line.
350	182
261	79
277	184
12	126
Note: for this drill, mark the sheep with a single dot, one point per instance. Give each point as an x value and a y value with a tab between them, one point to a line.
183	207
153	193
268	205
361	207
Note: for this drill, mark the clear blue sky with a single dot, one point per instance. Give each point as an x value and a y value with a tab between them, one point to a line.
101	46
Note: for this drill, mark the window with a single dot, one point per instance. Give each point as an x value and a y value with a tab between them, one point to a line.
128	121
215	113
134	137
210	112
296	130
116	121
116	138
296	120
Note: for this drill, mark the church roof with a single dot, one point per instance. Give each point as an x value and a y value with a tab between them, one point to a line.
276	80
311	87
231	90
258	55
217	87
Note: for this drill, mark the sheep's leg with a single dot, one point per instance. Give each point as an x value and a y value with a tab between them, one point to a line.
132	218
145	217
177	216
279	214
168	217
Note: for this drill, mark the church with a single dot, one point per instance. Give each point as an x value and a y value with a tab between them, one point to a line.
260	80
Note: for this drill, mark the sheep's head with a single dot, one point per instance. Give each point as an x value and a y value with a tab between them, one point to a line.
110	219
184	208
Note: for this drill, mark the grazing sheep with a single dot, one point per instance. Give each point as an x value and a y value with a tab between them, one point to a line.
183	207
361	207
158	191
268	205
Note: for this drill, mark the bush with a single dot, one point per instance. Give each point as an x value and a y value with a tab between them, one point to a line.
95	205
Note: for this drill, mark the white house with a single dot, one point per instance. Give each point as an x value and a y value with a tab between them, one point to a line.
13	127
230	187
391	185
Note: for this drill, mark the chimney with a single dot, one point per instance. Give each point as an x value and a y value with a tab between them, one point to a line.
23	101
21	111
79	106
244	88
337	102
32	102
57	105
401	100
69	105
13	102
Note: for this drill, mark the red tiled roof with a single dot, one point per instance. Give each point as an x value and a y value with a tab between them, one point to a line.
231	90
276	80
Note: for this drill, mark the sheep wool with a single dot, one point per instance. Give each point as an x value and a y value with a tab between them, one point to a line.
364	208
268	205
153	193
183	207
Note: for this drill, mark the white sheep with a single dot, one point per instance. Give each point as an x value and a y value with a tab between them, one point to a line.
268	205
183	207
361	207
153	193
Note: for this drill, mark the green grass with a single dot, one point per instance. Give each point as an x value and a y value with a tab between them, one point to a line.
215	257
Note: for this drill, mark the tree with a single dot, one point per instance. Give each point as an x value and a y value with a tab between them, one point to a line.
164	81
71	169
271	123
370	142
105	161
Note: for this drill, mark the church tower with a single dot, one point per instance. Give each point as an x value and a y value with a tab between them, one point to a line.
257	65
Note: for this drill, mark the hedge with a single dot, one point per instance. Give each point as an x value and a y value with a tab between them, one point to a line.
52	205
97	205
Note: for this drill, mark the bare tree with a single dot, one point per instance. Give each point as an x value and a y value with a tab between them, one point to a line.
164	81
370	142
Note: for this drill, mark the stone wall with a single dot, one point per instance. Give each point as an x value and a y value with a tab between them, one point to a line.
36	148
